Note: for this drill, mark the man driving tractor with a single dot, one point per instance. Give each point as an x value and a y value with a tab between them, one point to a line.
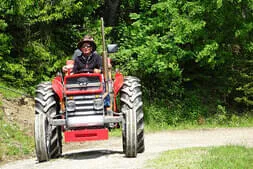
89	59
85	57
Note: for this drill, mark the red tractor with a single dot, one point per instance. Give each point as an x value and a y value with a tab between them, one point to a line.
74	105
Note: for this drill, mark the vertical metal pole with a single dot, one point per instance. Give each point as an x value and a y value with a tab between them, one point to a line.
104	57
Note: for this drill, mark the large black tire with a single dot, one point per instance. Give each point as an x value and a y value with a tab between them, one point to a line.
133	121
48	138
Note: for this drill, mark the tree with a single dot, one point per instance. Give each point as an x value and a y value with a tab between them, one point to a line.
193	44
44	32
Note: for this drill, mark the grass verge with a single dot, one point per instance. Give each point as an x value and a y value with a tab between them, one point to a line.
9	92
14	144
243	121
223	157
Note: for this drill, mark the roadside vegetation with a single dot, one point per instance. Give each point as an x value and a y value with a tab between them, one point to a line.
8	91
193	115
226	121
14	142
233	157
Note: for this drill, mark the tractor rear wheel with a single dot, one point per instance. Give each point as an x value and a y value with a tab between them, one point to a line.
133	117
48	138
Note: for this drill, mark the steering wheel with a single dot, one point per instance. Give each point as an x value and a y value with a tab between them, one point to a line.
85	70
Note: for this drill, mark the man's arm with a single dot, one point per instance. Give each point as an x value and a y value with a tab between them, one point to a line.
98	67
75	68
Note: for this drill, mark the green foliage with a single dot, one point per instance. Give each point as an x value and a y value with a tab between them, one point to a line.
177	46
145	4
221	114
4	42
38	36
153	43
245	85
195	110
174	113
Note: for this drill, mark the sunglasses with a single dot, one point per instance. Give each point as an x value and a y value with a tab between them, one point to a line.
86	46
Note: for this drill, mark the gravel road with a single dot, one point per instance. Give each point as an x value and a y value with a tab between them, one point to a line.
108	154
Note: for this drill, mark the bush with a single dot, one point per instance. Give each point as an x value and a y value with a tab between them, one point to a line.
173	113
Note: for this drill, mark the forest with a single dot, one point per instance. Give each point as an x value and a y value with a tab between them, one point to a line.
194	57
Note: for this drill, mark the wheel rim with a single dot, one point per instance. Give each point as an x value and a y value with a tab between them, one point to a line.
48	135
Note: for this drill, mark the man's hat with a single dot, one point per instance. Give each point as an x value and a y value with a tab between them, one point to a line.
88	39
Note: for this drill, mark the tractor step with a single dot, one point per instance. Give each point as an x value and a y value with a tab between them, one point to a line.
86	135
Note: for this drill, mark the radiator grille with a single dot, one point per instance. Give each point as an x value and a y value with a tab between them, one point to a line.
84	105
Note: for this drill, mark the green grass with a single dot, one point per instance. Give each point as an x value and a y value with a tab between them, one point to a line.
10	92
13	142
115	132
223	157
212	122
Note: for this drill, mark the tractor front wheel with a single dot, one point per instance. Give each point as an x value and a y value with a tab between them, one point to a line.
133	121
48	139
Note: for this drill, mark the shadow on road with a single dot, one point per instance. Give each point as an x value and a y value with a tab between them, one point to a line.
90	154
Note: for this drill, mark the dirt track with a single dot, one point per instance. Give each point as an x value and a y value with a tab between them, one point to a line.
108	154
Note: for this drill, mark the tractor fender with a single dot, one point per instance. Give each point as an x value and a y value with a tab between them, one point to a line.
118	83
58	87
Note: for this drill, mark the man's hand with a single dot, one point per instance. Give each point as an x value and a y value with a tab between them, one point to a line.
97	71
66	67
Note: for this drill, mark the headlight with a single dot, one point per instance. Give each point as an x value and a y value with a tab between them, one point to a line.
98	104
71	106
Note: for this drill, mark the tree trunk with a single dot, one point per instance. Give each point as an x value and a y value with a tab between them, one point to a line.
111	12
